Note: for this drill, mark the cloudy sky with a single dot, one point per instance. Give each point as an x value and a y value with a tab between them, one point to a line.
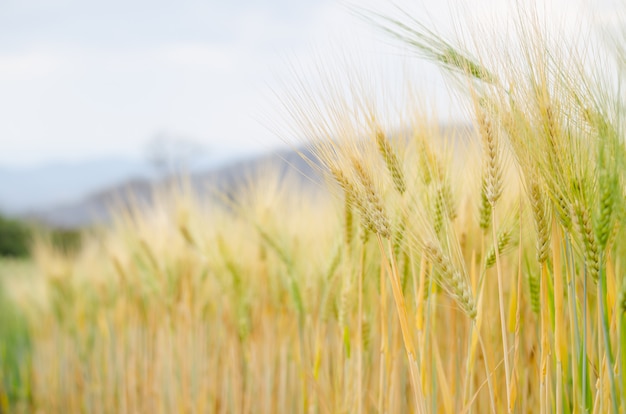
82	79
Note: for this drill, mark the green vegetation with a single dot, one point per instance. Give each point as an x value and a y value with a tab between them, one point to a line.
15	238
68	241
14	341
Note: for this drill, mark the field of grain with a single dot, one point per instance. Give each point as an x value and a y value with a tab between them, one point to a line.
434	271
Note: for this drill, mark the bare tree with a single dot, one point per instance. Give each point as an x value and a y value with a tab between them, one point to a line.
173	154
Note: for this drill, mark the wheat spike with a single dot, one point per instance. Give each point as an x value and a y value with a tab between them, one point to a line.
484	208
493	164
504	240
590	244
542	220
451	279
391	160
372	205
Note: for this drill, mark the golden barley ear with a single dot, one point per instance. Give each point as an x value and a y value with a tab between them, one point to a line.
370	202
492	172
451	279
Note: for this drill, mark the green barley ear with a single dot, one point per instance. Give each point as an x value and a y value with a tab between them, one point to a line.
398	238
451	204
541	217
535	290
453	59
609	163
438	212
484	209
551	128
607	189
431	46
447	198
443	206
588	236
391	160
504	242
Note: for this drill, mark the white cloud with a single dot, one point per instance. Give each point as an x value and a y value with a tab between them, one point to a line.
34	64
200	56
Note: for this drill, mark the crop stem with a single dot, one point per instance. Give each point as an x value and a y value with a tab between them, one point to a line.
505	346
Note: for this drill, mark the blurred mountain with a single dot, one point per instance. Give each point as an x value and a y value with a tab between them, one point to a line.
96	207
27	189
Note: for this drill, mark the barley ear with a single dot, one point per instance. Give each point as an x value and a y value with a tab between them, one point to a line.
541	218
590	244
451	279
504	240
370	203
484	209
608	193
392	161
492	180
534	287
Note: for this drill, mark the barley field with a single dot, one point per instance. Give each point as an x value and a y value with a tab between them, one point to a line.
435	270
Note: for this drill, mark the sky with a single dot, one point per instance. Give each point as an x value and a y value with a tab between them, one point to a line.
82	79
